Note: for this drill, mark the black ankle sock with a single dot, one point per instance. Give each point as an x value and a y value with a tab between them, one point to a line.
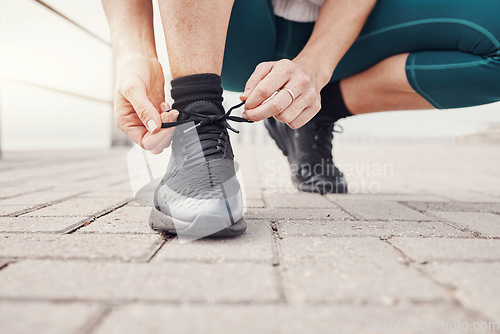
197	87
333	107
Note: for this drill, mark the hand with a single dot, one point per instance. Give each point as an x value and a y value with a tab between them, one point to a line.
270	77
139	106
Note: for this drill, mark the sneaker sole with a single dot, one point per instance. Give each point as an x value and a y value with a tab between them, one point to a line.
202	226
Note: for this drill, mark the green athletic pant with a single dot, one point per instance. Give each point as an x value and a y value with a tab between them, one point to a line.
453	44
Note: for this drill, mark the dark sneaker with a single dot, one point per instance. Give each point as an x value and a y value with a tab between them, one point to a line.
200	195
309	153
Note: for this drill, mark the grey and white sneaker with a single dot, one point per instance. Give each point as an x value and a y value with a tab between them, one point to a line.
200	195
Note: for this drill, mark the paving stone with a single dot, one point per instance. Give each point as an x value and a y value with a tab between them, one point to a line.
108	193
81	207
123	187
280	184
169	282
140	203
490	192
106	181
339	228
15	177
37	224
386	210
394	197
42	317
476	284
335	258
455	206
12	209
37	198
283	319
4	263
255	203
255	245
423	250
465	196
103	177
297	200
488	224
11	190
253	193
253	182
127	219
352	270
277	214
79	246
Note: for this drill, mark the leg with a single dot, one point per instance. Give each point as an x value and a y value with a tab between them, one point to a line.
411	54
200	194
251	40
195	32
193	47
382	87
451	47
422	55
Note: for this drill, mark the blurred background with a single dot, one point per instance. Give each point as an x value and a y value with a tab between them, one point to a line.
57	77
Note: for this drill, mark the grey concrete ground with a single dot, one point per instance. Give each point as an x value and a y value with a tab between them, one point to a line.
415	247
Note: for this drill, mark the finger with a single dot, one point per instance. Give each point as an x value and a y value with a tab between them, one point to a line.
135	133
279	75
304	117
164	107
274	106
260	73
148	114
168	115
127	122
152	141
166	140
294	110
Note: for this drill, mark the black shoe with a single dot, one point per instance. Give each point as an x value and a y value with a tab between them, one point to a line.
309	153
200	195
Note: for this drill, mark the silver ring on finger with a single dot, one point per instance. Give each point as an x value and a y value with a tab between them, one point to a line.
290	92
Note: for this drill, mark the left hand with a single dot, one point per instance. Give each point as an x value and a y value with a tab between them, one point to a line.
270	77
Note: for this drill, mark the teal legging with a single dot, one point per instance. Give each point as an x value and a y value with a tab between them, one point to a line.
453	44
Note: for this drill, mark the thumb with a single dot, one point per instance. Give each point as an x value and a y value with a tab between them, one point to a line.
146	111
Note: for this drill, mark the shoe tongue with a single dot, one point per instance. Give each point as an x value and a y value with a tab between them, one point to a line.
204	108
208	133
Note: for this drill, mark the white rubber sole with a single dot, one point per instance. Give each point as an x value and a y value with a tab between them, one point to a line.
202	226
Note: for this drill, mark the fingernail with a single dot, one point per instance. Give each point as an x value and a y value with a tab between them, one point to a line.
152	125
245	93
245	116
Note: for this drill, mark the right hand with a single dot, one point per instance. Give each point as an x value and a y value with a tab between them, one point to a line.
139	103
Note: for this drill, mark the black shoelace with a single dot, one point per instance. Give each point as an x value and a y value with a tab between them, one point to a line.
214	135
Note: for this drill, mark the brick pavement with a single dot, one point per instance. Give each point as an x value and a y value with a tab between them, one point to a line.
417	240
